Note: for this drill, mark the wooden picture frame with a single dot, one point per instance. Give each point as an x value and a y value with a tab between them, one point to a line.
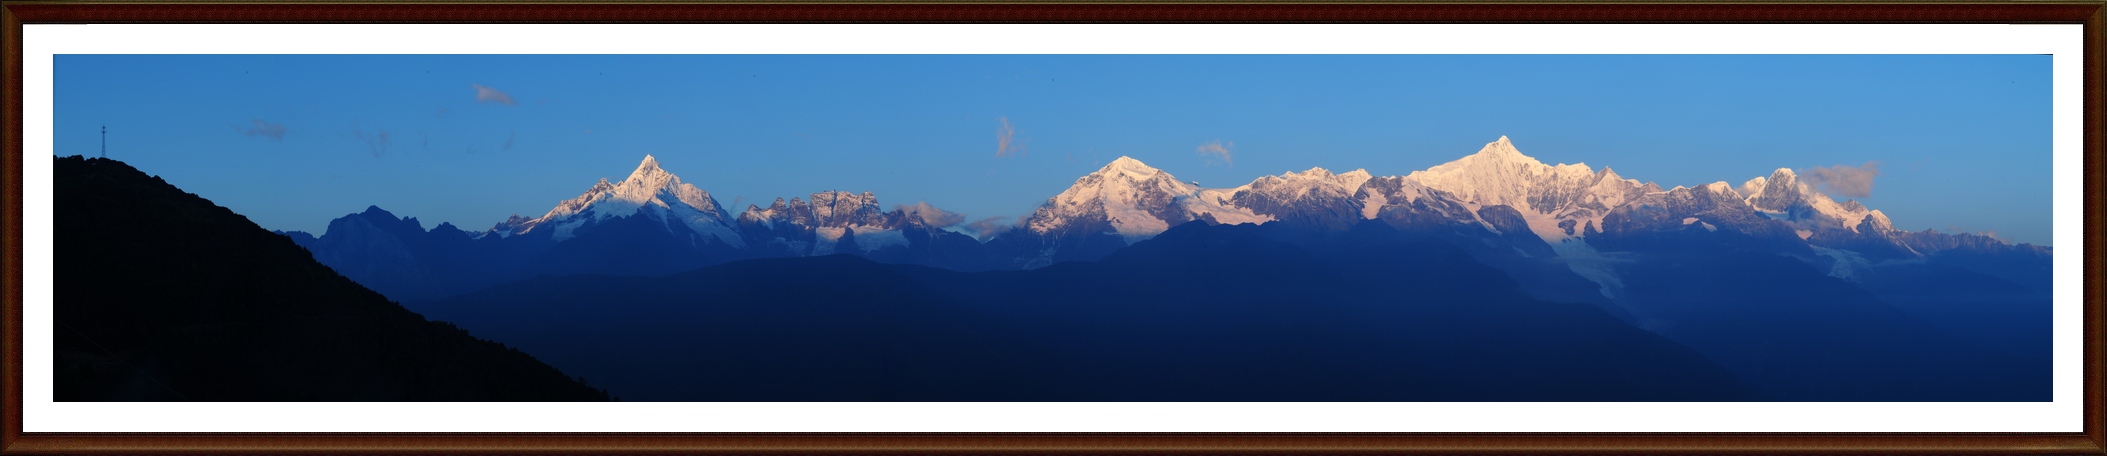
2092	14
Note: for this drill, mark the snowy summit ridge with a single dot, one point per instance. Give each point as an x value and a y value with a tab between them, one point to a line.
1558	203
1130	198
1498	189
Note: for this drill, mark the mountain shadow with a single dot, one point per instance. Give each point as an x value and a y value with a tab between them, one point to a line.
1807	336
160	295
1199	313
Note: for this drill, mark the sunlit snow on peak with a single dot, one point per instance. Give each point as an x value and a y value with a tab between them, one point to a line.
648	187
1129	167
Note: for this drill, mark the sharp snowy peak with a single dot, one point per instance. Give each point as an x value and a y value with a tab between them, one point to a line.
1546	195
1132	199
650	191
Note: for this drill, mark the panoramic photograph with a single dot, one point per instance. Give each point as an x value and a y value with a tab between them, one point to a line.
1036	228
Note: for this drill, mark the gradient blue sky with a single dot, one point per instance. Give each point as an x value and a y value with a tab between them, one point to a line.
1962	141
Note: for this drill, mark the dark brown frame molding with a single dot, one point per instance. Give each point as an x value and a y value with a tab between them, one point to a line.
2093	14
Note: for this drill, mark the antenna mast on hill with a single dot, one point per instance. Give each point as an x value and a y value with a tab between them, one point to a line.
106	141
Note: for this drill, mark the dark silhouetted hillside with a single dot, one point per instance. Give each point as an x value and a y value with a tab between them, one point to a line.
160	295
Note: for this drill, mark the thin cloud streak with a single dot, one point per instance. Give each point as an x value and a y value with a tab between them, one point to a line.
1217	151
490	95
259	127
1846	180
989	227
930	215
1006	139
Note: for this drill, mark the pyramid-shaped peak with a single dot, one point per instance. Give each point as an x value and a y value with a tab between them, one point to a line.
1494	157
649	177
648	166
1501	148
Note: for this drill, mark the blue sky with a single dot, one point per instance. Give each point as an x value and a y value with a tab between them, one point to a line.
1962	142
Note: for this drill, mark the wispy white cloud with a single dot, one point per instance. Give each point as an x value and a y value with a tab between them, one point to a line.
1846	180
1217	151
490	95
930	215
258	127
1006	143
989	227
1750	187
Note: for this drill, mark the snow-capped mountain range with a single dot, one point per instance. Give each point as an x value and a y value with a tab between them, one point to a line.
1563	205
1772	279
1571	213
1558	202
